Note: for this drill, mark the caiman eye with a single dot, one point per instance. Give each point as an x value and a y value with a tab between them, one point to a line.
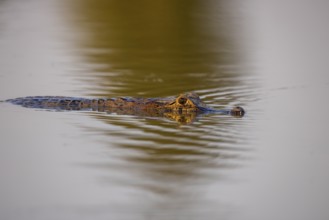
182	100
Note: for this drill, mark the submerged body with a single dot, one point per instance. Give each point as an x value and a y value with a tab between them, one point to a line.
184	105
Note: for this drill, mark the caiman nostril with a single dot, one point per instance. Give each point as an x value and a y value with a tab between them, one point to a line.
182	100
237	111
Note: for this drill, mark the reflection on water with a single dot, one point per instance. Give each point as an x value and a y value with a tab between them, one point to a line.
156	48
171	165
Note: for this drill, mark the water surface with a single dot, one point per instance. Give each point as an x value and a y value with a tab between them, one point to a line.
270	164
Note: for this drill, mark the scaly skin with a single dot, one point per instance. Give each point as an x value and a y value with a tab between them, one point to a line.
187	105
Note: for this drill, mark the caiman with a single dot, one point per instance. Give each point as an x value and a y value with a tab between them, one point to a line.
183	108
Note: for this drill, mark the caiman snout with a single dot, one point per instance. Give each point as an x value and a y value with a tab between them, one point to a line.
237	111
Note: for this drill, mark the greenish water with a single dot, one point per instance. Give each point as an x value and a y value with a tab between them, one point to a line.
270	164
156	48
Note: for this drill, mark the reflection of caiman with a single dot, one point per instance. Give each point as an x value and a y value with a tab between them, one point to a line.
183	108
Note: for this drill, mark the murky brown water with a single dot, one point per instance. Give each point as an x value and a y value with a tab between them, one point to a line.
270	59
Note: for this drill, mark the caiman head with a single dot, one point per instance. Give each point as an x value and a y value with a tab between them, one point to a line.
190	104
